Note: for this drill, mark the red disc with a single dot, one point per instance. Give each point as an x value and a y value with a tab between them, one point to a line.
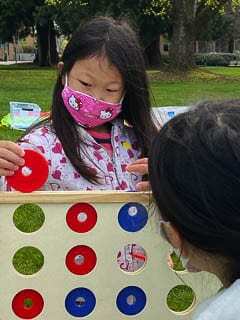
81	217
27	304
32	175
81	260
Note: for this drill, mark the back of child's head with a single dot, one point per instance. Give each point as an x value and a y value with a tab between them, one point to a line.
194	170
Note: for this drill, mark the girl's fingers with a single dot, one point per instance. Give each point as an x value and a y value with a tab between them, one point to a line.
6	165
10	156
143	186
6	173
141	161
13	147
138	168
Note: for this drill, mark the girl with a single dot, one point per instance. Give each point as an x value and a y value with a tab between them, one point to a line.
194	171
101	117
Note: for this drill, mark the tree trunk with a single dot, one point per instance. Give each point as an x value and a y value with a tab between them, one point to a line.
183	36
47	49
153	53
42	45
52	45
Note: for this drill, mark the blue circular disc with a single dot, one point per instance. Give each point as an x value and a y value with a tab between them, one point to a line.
80	302
131	300
133	217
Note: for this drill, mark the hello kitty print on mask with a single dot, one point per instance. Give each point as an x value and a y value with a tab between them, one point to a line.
88	111
106	114
74	103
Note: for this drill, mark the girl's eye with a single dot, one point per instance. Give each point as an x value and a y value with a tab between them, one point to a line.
85	83
112	90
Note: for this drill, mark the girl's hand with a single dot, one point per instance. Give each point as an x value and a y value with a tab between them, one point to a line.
10	158
140	166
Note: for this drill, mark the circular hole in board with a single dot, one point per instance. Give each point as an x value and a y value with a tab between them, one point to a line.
174	262
181	299
132	258
81	217
28	260
28	218
27	304
132	217
80	302
131	300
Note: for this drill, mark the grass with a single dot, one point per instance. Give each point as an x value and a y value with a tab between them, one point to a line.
28	218
177	263
28	260
180	298
33	84
30	84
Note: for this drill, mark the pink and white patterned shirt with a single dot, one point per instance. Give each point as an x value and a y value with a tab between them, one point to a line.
111	170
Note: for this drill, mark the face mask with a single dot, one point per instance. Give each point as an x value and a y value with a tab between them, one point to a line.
88	111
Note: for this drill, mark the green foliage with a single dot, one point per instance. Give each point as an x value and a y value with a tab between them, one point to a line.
215	59
16	18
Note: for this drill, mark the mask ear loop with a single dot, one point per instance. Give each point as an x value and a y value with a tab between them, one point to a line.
66	81
123	96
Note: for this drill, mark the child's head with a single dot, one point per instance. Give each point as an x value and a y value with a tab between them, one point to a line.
104	60
194	170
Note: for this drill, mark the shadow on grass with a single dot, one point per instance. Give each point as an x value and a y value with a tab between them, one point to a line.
24	66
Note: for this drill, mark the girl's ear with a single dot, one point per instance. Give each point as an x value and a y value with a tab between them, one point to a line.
60	69
176	239
60	66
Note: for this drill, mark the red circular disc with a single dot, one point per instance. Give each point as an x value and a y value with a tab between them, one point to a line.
27	304
81	217
32	175
81	260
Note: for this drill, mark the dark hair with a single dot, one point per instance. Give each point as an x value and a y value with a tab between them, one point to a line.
194	171
117	41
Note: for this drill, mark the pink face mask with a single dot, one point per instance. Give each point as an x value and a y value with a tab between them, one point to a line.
88	111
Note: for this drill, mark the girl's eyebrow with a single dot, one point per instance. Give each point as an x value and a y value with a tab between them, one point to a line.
86	73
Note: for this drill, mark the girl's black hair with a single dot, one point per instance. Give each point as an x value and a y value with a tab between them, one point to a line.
118	42
194	171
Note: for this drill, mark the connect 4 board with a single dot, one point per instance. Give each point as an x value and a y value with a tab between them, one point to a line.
103	259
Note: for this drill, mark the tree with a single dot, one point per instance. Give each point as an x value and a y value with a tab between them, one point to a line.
187	17
18	20
46	35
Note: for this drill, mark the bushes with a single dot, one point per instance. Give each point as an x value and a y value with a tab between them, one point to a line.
215	59
210	59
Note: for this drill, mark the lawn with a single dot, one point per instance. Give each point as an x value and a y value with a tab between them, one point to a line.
33	84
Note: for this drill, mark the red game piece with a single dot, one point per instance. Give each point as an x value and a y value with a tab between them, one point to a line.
81	217
27	304
32	175
81	260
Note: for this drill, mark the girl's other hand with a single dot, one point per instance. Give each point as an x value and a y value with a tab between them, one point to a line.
140	166
10	158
